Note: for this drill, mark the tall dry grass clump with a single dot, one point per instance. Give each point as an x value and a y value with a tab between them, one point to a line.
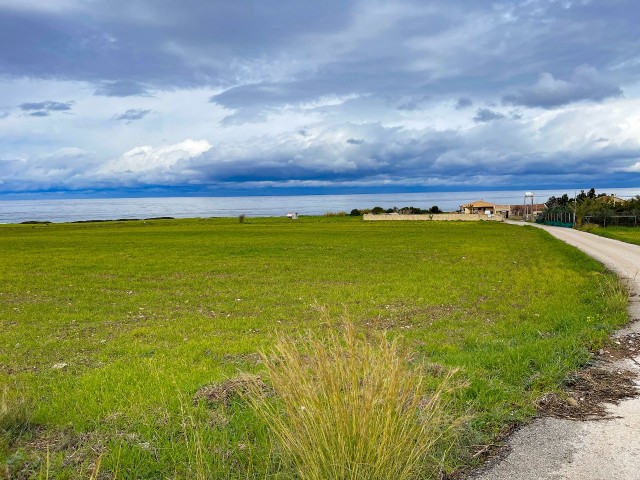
351	408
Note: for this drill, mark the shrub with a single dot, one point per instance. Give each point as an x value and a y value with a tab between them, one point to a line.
355	213
411	211
349	408
241	218
377	210
336	214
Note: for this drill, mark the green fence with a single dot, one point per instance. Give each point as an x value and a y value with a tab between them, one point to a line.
562	219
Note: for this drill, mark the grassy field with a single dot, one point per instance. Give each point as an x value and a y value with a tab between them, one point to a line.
624	234
108	330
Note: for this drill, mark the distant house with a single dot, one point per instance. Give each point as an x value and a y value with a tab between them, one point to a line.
484	207
504	210
478	207
611	200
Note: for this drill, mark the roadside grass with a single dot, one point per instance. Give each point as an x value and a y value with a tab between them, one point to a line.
351	407
108	330
624	234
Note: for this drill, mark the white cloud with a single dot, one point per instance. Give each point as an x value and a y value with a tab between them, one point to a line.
150	159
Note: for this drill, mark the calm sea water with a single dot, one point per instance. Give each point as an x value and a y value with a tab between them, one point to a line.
69	210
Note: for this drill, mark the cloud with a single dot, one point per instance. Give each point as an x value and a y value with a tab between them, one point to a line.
122	88
552	147
133	114
154	160
463	102
413	103
47	106
484	115
342	92
549	92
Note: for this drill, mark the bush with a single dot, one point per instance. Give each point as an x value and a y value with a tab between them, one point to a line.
336	214
348	408
377	210
355	213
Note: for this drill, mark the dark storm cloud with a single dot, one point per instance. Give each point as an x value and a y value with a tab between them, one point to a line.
155	42
133	114
480	155
128	47
316	78
485	115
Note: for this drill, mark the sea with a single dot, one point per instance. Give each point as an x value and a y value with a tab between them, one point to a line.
71	210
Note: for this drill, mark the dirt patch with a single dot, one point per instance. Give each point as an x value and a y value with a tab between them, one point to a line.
587	393
622	347
224	393
589	390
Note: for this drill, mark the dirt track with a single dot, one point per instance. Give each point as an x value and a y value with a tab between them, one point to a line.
558	449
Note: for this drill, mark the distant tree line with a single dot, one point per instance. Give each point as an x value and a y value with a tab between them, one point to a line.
402	211
595	208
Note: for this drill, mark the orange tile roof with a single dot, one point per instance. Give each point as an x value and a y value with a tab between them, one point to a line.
479	204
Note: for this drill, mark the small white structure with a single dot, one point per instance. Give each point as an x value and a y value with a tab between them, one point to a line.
292	215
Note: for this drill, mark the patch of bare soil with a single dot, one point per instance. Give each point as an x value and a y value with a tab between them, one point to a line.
623	347
587	393
589	390
224	393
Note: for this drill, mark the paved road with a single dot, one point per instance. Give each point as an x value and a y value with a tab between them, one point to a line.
556	449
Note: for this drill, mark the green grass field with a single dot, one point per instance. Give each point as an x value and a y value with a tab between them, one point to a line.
624	234
144	314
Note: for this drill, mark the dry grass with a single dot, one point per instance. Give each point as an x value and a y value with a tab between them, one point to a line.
352	408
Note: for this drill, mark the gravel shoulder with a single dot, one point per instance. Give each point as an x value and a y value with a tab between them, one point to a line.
602	449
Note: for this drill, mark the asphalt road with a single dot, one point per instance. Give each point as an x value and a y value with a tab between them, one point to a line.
551	448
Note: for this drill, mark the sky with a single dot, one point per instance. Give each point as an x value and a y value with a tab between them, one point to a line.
244	97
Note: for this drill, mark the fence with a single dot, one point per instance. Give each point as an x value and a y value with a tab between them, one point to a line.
617	220
562	219
567	219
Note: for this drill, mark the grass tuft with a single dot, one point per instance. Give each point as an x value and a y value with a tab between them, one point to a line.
352	408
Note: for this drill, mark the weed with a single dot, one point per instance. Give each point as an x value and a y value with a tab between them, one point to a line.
349	408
